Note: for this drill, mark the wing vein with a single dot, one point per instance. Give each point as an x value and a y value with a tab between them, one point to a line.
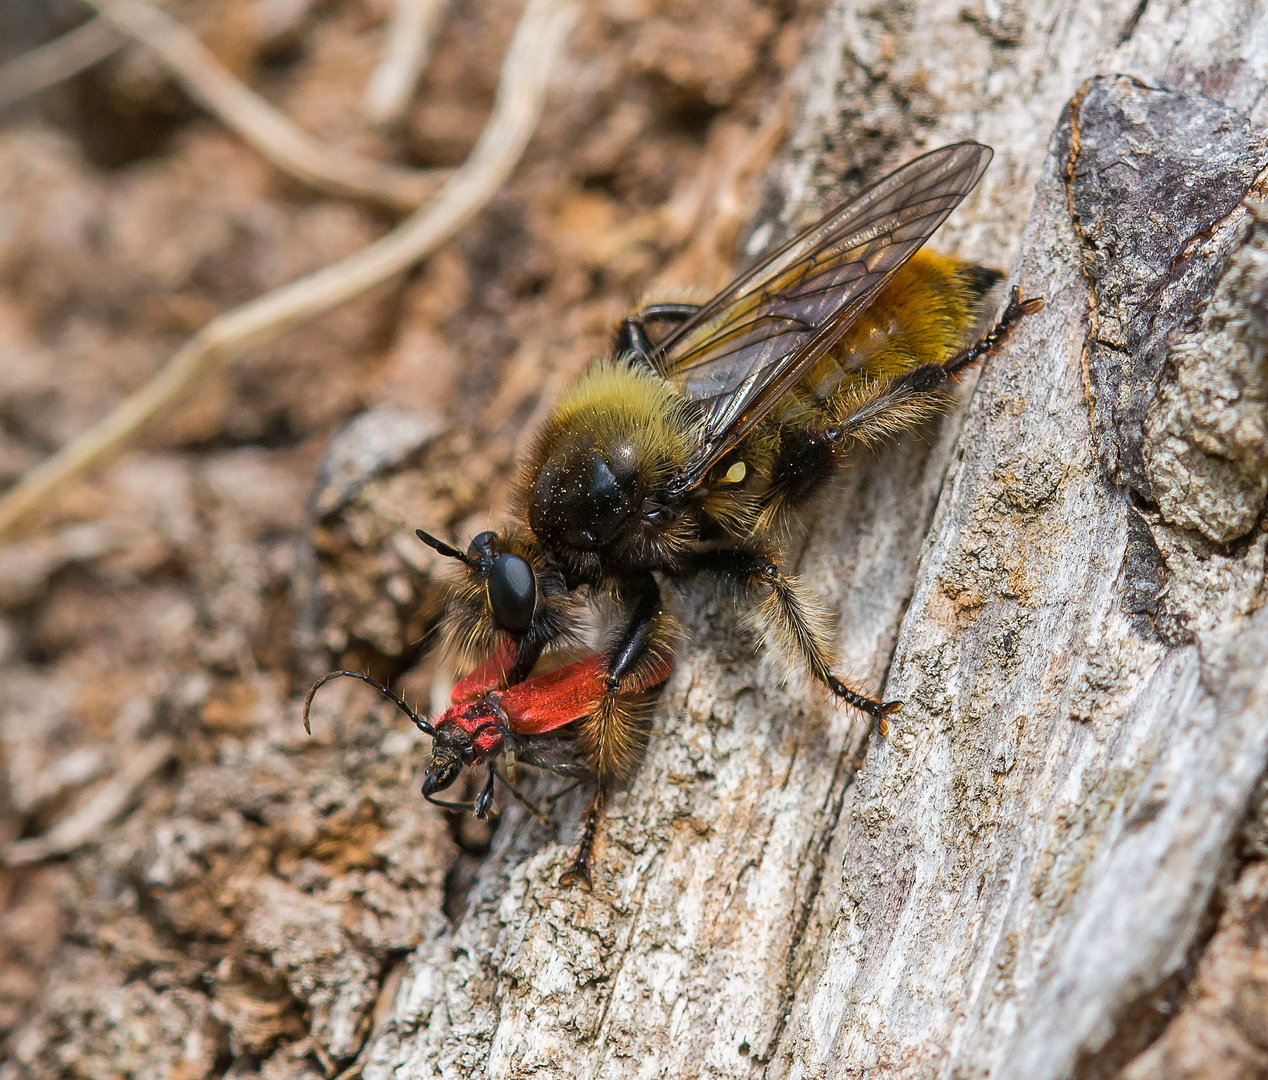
750	344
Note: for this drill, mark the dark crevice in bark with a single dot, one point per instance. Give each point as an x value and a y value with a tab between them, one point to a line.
1145	1020
1133	20
624	949
847	768
1142	579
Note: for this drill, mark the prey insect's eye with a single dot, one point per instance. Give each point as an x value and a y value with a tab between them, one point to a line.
512	592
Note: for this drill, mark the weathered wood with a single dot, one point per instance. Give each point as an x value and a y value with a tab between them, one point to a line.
1015	878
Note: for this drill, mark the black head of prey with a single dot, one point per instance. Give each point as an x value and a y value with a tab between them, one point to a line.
468	734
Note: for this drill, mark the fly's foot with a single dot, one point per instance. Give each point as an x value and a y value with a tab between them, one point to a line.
1018	307
1013	311
887	707
579	872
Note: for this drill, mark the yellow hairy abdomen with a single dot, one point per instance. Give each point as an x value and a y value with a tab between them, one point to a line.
923	316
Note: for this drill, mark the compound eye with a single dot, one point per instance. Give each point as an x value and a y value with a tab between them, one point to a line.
512	592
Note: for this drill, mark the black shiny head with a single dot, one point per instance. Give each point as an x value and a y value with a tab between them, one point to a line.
443	769
585	493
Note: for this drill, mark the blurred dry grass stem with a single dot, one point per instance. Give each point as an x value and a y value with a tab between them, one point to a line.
526	72
406	51
62	58
268	130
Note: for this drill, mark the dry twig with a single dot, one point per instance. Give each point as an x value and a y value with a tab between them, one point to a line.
271	133
405	55
525	73
62	58
97	812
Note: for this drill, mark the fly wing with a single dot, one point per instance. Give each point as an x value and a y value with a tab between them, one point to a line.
750	344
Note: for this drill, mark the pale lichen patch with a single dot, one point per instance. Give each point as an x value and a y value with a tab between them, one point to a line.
1206	433
1209	589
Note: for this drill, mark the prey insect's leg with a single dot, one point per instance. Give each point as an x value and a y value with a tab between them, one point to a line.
484	801
538	815
632	337
579	773
793	619
573	769
579	871
556	796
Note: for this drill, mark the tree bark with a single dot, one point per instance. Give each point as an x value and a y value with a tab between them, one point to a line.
1063	582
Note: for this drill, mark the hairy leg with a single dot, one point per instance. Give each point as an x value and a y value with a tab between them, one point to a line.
807	460
638	659
787	614
1016	308
614	733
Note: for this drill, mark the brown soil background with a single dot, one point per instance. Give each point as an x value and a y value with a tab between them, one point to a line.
243	914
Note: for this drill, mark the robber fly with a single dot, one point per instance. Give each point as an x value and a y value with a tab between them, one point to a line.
487	720
686	450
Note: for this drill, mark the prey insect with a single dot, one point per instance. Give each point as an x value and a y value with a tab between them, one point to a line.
689	450
488	721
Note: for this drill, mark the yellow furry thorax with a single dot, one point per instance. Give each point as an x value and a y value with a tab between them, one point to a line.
612	403
613	399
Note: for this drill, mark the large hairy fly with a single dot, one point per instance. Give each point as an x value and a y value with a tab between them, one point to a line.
687	449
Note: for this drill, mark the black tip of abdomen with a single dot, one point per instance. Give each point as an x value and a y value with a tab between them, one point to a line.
981	279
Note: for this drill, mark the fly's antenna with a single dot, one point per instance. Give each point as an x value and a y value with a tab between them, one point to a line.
399	702
446	550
